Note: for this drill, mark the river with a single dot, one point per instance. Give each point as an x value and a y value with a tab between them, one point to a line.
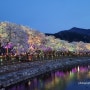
77	78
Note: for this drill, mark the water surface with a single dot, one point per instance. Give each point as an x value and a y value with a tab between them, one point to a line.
77	78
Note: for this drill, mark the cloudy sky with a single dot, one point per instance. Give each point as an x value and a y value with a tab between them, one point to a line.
48	16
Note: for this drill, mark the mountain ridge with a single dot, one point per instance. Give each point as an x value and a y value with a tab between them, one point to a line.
73	34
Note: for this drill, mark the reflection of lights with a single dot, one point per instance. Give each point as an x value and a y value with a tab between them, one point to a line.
50	84
88	66
74	70
82	72
29	83
88	75
61	74
78	69
71	74
83	69
57	80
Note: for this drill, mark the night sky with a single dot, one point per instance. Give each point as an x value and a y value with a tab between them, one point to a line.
48	16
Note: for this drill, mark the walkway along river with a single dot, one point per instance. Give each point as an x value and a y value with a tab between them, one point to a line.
12	74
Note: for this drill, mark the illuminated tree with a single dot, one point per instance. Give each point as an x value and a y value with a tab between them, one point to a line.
25	39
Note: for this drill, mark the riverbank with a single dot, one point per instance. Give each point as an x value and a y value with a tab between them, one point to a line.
12	74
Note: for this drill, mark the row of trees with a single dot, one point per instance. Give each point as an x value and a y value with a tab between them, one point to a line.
23	39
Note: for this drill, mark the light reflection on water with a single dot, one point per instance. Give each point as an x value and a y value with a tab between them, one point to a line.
58	80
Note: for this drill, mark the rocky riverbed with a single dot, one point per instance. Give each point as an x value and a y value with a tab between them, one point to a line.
12	74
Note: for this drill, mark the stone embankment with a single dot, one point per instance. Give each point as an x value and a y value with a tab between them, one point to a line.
12	74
